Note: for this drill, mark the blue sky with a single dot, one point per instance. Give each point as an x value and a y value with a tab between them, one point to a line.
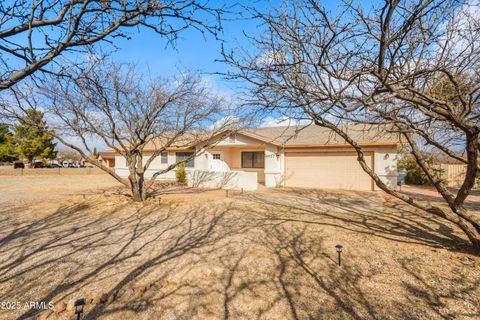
196	52
193	51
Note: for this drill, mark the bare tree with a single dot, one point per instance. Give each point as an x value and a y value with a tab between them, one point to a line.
130	113
68	154
34	34
410	66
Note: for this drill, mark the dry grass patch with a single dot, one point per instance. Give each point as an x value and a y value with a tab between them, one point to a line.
263	255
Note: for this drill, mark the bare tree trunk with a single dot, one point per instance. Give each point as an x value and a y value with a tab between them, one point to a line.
472	230
457	215
137	178
137	189
406	75
129	114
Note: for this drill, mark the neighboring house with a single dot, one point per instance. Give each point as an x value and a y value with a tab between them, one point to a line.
307	157
107	158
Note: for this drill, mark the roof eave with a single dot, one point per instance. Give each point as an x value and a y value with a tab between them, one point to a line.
336	145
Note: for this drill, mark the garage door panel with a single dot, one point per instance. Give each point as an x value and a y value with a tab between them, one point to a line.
326	170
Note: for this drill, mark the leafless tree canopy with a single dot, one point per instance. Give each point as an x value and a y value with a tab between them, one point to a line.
136	116
35	33
409	65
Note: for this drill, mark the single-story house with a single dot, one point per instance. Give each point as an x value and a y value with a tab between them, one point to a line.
306	157
107	158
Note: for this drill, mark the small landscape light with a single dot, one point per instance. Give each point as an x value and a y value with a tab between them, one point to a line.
79	307
339	248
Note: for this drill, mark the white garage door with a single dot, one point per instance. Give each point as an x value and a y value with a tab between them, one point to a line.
339	170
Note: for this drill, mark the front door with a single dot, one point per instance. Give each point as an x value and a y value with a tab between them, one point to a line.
217	164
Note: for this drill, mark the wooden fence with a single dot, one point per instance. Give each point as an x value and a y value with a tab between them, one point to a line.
454	174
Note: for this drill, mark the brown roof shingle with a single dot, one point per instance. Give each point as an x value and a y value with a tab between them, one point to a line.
316	135
291	136
107	155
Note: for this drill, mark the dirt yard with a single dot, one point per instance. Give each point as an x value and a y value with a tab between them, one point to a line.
260	255
28	188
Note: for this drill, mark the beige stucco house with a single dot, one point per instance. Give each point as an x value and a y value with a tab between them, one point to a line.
307	157
107	158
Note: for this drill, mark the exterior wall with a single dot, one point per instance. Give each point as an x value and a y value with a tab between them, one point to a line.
121	167
108	162
201	160
223	180
385	165
120	162
199	176
273	175
227	155
273	166
238	140
235	157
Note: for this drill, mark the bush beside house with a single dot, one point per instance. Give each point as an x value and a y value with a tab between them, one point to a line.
415	175
181	174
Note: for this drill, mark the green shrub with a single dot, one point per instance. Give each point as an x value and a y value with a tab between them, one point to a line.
181	174
415	174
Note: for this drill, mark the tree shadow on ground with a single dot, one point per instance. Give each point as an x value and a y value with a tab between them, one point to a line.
362	212
257	256
83	248
431	195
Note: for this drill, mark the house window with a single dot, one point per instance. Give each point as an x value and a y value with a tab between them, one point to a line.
164	156
253	159
216	156
180	156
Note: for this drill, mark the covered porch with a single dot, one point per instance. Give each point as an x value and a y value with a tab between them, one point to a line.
262	159
238	159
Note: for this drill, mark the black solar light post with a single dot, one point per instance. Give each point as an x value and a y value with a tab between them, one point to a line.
79	307
339	248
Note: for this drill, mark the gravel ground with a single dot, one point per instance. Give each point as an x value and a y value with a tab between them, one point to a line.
28	188
262	255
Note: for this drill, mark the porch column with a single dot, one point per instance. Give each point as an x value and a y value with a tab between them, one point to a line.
202	160
273	174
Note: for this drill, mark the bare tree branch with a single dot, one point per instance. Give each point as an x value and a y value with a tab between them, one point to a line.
409	66
35	33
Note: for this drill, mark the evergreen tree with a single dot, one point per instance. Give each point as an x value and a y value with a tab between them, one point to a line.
8	152
33	140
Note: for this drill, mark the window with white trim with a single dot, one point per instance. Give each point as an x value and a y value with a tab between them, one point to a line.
183	156
164	157
255	159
